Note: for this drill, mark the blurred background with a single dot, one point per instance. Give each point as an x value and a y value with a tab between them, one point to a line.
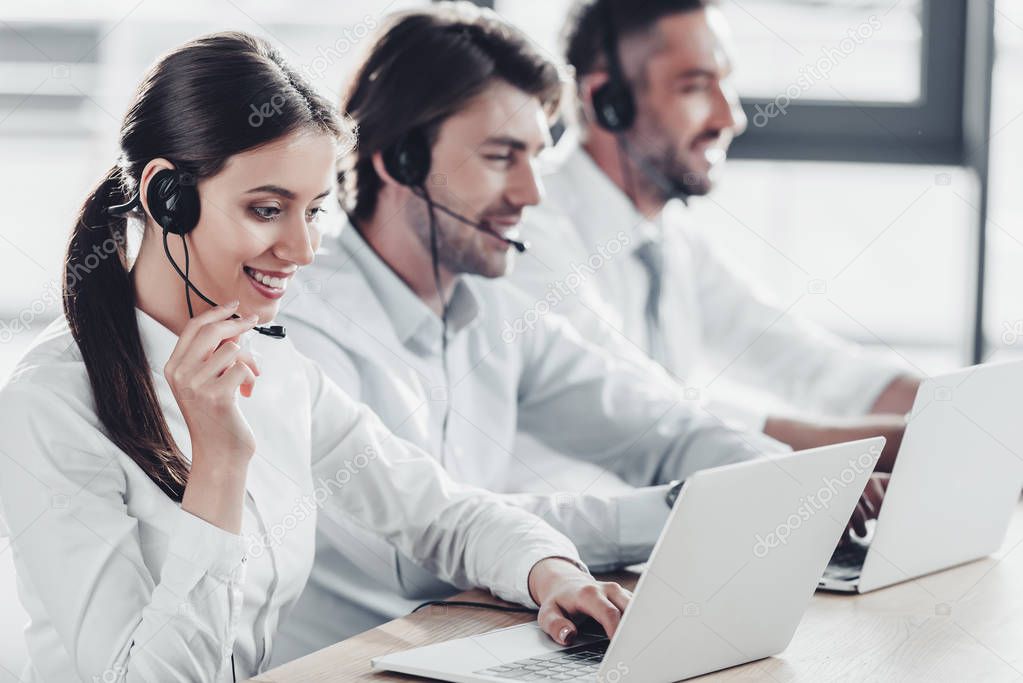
873	192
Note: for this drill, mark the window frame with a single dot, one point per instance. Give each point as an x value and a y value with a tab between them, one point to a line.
928	131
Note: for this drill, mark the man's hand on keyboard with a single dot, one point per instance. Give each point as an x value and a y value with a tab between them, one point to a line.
869	504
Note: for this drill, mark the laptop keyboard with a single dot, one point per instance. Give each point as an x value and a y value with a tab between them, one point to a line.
846	562
579	663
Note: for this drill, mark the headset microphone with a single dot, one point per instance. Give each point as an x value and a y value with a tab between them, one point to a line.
520	245
408	162
173	202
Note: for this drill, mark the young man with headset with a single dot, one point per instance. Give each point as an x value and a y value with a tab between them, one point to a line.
406	310
657	113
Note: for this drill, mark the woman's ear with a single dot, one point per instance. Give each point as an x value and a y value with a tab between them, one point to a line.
150	170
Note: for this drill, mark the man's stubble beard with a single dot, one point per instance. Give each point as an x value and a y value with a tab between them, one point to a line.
457	250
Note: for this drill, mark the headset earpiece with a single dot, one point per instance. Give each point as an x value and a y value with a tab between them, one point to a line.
173	201
407	160
613	105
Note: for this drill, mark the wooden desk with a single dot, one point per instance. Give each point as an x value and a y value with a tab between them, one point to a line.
963	624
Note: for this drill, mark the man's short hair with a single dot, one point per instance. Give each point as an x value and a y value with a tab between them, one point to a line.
583	32
426	65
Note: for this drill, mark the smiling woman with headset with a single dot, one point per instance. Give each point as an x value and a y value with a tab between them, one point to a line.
162	466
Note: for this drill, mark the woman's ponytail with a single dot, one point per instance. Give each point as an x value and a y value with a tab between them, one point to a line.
194	108
99	303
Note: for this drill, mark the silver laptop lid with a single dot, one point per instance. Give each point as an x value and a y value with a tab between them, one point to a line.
738	562
957	477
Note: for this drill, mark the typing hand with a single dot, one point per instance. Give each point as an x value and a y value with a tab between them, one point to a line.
563	591
869	505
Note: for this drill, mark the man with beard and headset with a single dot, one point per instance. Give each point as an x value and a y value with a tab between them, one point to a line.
615	252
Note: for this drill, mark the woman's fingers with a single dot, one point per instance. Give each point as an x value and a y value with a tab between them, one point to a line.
223	358
209	338
205	342
237	377
597	605
214	314
556	624
591	600
618	595
199	338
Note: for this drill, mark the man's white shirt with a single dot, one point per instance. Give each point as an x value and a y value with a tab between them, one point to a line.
624	419
586	235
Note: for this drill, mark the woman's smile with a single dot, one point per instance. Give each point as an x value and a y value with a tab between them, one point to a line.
270	283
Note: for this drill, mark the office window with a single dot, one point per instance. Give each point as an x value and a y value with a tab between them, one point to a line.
1003	324
820	51
878	253
67	74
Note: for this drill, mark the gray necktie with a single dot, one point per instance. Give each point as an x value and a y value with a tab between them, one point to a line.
651	254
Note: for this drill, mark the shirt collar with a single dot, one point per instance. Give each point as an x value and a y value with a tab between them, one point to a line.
410	317
157	341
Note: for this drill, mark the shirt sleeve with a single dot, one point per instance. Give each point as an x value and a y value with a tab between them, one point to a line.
609	532
780	352
639	423
466	536
77	551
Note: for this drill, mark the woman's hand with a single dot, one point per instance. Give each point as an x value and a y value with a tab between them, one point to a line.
206	372
563	590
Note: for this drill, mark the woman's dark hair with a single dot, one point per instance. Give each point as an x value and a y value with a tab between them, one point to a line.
199	104
425	66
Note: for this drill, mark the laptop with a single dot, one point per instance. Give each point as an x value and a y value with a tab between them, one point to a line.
954	486
727	582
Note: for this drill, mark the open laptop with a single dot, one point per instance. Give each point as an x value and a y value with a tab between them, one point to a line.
727	582
955	484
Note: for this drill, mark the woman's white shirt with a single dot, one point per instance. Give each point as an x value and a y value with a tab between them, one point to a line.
121	584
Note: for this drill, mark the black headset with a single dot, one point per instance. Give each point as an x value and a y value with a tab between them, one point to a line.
172	199
614	106
408	161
